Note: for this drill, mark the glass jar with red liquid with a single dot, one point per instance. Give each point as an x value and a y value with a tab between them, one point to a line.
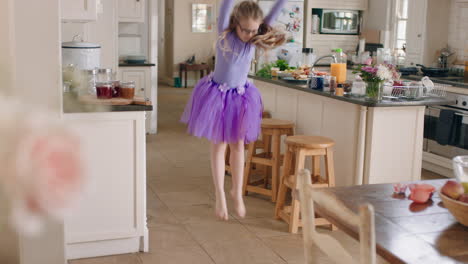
104	90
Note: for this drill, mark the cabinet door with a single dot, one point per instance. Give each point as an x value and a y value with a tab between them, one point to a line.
137	76
113	151
132	11
79	10
415	31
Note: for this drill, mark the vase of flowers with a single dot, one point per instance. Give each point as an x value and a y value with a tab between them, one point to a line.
375	76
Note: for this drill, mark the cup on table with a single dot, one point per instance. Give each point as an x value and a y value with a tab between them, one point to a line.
316	82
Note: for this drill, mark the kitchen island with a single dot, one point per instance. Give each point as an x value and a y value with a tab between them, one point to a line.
111	216
376	142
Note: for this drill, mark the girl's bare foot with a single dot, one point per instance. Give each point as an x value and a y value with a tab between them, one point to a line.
221	208
239	205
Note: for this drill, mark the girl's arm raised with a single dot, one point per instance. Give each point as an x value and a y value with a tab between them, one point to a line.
274	12
224	15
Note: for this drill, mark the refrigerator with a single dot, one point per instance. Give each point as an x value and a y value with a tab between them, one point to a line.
291	20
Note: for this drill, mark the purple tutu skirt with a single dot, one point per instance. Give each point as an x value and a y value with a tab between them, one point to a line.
221	114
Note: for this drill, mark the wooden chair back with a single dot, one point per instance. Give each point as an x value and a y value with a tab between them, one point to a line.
364	221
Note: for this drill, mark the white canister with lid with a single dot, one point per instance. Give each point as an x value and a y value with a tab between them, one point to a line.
83	55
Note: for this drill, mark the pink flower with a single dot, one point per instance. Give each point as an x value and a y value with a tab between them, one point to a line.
52	163
369	69
368	61
48	176
41	170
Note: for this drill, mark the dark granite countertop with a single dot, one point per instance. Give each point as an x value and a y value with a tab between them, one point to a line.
358	100
137	64
452	80
70	105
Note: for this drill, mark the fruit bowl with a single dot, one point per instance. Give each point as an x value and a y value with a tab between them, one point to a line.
458	209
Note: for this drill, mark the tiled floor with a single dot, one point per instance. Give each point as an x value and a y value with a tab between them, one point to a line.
181	221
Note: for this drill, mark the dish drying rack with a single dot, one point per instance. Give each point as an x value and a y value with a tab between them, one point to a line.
414	92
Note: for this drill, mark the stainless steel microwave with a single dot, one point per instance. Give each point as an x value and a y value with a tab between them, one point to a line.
338	21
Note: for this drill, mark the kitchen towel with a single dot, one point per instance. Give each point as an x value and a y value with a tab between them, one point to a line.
448	127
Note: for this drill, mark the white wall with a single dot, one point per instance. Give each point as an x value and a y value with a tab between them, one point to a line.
92	32
187	43
30	70
458	28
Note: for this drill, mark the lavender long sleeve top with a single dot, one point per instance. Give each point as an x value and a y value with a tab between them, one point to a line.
232	67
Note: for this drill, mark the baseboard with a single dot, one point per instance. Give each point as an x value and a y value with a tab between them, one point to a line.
437	164
104	248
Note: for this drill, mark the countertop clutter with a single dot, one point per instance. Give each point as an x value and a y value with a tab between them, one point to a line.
71	104
357	100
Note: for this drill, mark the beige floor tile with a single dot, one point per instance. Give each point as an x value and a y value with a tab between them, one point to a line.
289	247
266	227
217	232
192	255
429	175
173	199
251	251
169	236
158	216
257	206
117	259
177	184
203	213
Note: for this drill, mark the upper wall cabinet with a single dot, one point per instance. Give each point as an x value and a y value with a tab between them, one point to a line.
79	10
339	4
132	11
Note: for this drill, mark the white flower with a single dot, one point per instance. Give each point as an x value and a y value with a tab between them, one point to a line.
384	73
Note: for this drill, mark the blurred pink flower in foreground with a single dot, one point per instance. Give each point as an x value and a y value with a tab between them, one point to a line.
43	173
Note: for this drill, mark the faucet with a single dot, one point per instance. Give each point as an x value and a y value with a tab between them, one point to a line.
443	58
323	57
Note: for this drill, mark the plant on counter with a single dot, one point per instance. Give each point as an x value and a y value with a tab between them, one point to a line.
375	76
265	71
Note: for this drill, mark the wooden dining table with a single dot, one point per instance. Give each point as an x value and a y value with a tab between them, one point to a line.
406	232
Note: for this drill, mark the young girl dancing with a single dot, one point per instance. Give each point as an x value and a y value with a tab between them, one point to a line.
224	107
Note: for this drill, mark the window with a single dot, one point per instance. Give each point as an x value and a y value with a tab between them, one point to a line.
202	18
400	24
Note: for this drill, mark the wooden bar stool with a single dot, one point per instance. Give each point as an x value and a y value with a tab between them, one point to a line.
298	148
258	145
272	130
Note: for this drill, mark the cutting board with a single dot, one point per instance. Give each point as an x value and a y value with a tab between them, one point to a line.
91	99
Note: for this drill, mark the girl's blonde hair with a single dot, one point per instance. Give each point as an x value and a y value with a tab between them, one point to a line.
267	37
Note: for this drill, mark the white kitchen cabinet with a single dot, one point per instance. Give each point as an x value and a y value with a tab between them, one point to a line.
143	78
369	140
132	11
415	32
111	216
79	10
